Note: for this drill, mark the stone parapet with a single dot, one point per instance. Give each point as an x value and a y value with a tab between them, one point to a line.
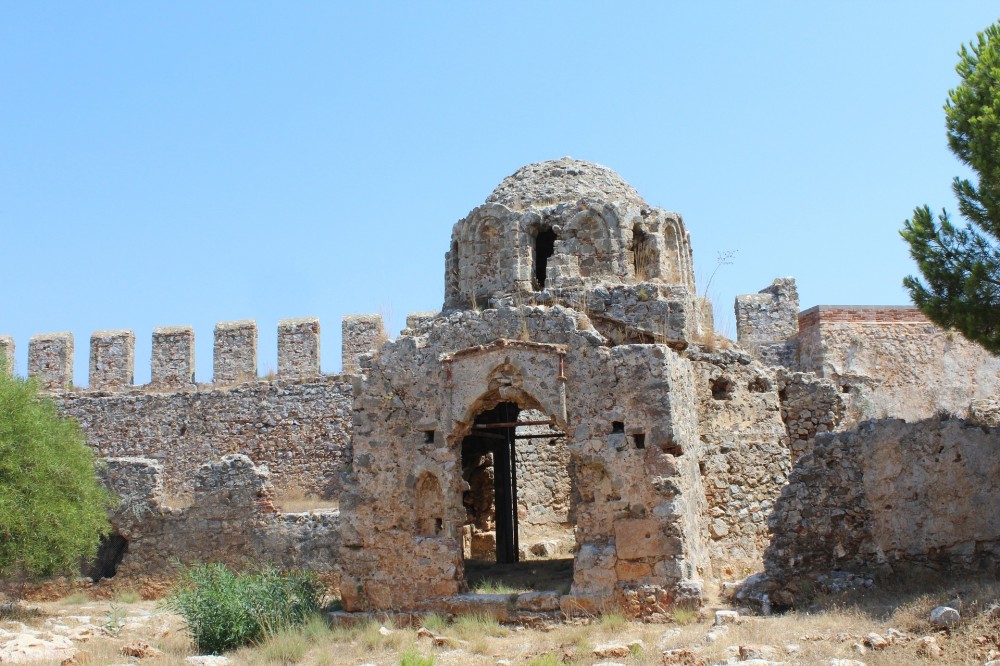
50	359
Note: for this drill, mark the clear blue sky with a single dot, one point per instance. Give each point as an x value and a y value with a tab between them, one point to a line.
187	163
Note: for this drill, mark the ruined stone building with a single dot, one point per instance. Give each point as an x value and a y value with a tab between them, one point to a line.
570	400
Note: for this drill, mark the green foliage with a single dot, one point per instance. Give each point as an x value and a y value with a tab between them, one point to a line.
960	265
53	510
225	610
411	657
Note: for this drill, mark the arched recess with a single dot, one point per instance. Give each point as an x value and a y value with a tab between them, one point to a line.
675	259
644	255
428	505
499	417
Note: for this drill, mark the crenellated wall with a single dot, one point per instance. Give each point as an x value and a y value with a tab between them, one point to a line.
297	423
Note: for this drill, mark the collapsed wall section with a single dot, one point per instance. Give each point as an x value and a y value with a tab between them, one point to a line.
230	518
886	497
767	322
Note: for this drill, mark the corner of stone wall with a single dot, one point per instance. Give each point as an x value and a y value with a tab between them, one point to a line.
810	405
767	322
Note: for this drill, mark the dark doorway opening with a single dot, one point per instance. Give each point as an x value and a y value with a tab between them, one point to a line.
545	246
488	466
110	553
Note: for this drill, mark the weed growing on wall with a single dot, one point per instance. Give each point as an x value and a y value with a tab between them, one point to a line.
226	610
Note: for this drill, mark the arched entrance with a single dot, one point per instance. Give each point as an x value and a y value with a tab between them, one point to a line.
517	495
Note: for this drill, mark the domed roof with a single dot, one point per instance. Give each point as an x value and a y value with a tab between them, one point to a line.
563	181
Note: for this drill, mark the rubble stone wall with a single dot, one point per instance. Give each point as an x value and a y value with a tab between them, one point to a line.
746	457
299	429
231	518
894	362
809	406
888	495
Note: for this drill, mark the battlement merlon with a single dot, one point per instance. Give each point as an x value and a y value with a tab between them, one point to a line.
298	348
173	357
50	359
7	355
361	334
112	360
771	315
235	352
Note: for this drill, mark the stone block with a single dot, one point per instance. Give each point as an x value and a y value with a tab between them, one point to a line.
235	359
298	348
50	359
112	360
173	357
638	538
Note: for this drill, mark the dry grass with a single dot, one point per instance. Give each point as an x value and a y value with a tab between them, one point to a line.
829	629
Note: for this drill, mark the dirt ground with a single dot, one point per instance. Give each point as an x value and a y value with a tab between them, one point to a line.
72	623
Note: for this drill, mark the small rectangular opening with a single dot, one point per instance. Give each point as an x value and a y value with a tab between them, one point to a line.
617	428
428	436
640	440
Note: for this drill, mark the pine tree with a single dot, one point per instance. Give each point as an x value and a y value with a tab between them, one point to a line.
960	265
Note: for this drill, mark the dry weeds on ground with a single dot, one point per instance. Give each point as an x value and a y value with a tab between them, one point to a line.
115	630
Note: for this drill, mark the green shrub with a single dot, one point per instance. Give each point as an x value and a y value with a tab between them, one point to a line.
53	510
411	657
225	610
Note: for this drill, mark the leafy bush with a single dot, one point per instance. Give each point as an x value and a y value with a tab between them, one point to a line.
53	510
225	610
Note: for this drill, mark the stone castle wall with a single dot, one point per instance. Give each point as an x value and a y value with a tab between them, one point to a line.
230	518
894	362
886	496
297	423
300	429
889	361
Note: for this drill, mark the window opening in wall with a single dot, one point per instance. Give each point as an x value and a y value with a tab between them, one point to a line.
428	437
518	490
642	254
545	246
722	388
617	428
640	440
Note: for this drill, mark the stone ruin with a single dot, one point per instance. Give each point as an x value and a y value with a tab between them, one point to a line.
570	401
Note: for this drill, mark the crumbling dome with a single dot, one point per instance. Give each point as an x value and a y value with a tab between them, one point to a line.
563	226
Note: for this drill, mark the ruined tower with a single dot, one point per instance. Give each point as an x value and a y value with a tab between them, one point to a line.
567	299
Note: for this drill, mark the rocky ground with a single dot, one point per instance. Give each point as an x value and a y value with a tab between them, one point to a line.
878	626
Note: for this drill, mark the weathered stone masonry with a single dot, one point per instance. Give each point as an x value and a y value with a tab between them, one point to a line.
297	423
